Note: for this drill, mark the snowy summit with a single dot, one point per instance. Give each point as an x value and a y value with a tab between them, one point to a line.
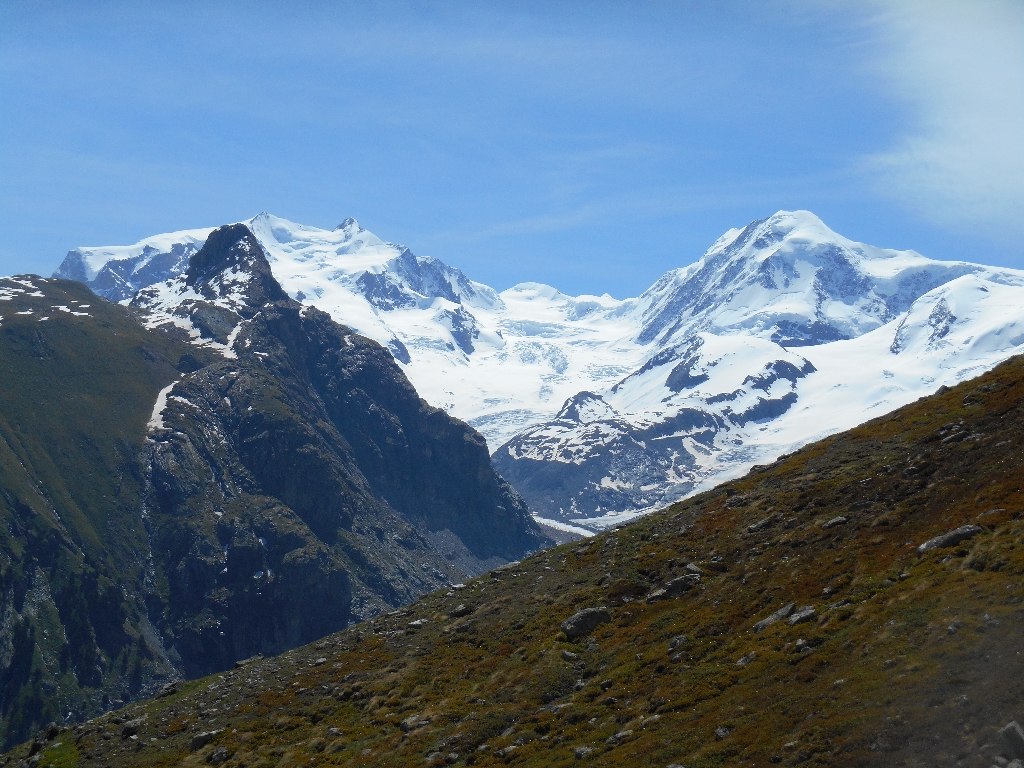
597	409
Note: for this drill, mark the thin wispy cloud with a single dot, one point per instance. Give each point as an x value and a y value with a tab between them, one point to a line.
961	67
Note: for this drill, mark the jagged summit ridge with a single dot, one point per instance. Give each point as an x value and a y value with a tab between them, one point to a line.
232	263
792	279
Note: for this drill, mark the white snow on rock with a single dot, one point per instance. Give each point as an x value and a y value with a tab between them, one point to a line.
156	419
598	409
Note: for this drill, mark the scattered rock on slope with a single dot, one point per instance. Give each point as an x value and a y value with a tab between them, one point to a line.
584	622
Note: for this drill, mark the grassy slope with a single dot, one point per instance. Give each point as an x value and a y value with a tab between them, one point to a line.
920	666
77	390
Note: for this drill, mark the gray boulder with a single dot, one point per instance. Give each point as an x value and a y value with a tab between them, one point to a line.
200	740
1011	740
582	623
675	587
618	738
804	614
682	584
779	615
951	539
676	641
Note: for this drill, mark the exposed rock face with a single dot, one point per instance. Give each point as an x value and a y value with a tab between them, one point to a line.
288	482
302	483
590	461
120	272
232	264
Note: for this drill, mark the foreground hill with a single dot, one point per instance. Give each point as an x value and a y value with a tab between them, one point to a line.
891	646
595	408
173	500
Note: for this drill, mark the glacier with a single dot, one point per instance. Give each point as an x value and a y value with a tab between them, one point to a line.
598	409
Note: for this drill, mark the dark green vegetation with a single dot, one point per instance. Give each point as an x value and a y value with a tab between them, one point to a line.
76	393
908	658
293	486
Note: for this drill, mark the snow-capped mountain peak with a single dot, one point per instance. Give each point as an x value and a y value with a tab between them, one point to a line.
791	279
782	332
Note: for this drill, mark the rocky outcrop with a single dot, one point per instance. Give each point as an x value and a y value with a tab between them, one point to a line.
583	622
300	483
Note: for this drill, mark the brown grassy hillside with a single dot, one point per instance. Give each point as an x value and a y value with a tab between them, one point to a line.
908	659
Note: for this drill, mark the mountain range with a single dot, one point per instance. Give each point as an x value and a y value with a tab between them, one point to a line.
244	478
598	409
857	603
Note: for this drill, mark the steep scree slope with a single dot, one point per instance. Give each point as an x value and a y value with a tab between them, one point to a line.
884	652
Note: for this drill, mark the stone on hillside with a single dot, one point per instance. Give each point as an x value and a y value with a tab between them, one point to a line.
170	688
760	525
676	587
582	623
694	568
413	722
951	539
132	727
744	660
722	731
656	595
569	656
1011	740
780	614
834	522
218	756
682	584
200	740
460	610
676	641
582	752
618	738
804	614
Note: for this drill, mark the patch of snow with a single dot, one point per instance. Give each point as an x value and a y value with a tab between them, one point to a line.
156	419
560	526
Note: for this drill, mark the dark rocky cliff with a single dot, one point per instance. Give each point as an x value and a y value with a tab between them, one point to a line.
292	484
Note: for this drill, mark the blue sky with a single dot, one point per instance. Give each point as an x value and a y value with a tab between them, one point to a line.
588	145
